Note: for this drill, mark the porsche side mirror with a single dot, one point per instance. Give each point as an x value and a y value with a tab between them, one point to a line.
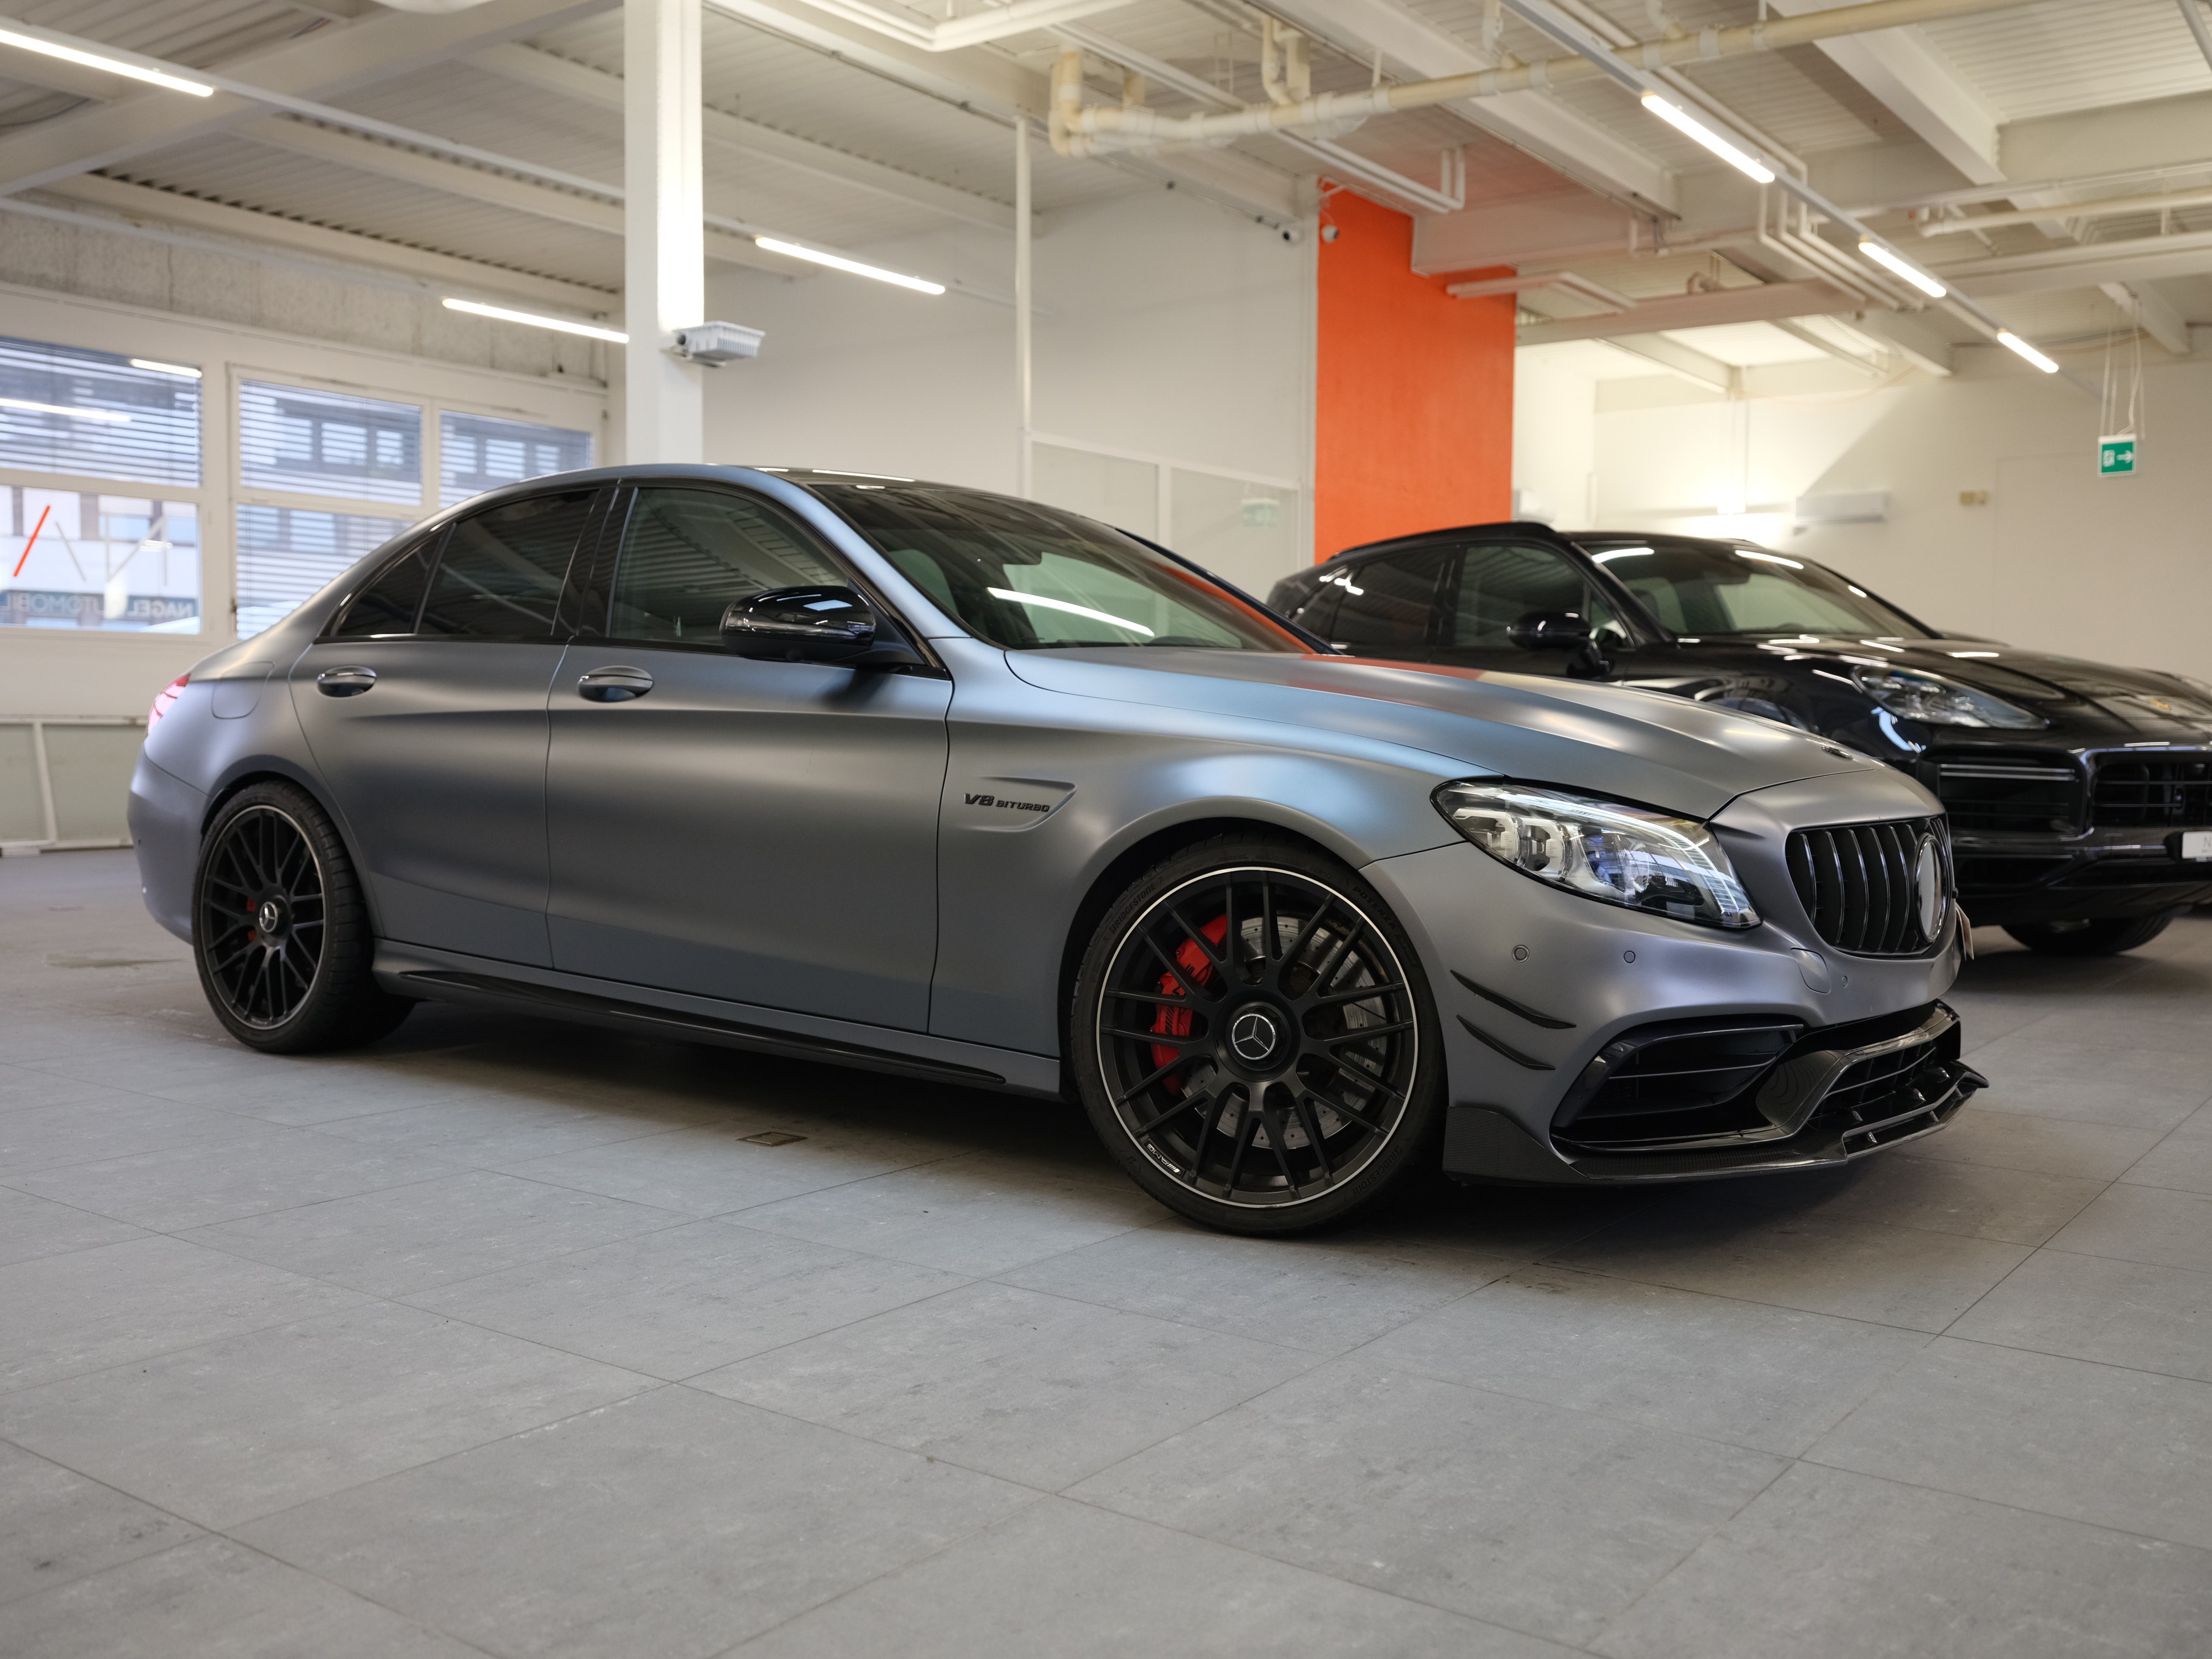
814	625
1551	631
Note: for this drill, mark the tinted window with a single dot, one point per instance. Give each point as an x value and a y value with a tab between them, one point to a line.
387	605
1384	605
688	554
501	574
1028	578
1708	588
1500	585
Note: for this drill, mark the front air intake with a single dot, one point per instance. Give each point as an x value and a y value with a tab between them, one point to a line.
1876	890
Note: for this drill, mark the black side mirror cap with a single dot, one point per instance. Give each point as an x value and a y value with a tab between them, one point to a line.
814	624
1551	631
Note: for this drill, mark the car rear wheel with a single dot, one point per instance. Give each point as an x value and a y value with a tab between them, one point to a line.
280	932
2106	936
1254	1041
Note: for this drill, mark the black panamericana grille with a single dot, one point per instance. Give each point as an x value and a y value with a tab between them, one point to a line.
2162	792
1857	883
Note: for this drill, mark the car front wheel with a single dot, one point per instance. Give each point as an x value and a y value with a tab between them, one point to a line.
1254	1041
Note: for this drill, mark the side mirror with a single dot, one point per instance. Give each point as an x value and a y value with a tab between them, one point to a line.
814	625
1551	631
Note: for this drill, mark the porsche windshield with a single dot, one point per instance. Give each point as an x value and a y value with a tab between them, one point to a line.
1703	589
1029	578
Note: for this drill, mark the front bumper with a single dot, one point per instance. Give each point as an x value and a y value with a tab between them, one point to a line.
2006	878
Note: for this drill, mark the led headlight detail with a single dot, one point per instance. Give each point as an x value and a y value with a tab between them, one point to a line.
1601	849
1912	695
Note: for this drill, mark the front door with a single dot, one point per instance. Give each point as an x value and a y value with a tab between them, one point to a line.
1491	585
424	707
761	832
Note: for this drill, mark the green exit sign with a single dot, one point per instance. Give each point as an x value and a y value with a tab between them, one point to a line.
2116	457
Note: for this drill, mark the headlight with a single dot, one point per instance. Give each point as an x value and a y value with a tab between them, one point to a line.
1601	849
1935	700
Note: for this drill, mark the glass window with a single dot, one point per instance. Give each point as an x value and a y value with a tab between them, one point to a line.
121	563
286	555
1244	532
99	415
1499	586
1026	577
1110	489
327	443
476	452
687	555
502	572
1704	588
1385	603
387	607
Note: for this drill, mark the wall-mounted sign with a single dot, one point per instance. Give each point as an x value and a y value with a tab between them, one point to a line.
2115	456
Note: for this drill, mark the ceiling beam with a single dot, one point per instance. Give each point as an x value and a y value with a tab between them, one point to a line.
2141	260
2152	312
329	63
549	73
1764	303
1914	81
1686	360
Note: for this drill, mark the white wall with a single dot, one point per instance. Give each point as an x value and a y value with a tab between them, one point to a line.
2113	569
1554	440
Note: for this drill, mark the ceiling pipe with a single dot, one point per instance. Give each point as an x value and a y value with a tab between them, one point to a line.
2111	207
951	33
436	7
2198	27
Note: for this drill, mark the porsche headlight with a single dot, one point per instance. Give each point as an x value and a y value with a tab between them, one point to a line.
1602	849
1912	694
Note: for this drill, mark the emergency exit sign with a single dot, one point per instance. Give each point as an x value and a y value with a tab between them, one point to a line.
2116	457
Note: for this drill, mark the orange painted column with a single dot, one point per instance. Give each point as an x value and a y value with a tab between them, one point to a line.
1414	404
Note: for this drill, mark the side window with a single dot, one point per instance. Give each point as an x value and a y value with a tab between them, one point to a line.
1385	603
387	605
502	570
1499	585
687	555
1318	614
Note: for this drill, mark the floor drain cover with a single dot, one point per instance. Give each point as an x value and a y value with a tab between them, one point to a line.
771	1138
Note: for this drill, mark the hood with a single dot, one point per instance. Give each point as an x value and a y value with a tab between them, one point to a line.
1640	746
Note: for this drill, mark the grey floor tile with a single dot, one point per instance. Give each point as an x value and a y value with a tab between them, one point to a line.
2115	1448
980	1214
1530	1515
55	1526
671	1526
486	1129
675	1303
1892	1275
2144	1224
1826	1564
1076	1583
23	1089
211	1599
1324	1294
63	1315
1980	1200
1774	1379
30	1227
250	1424
2093	1082
1034	1388
2182	1159
2087	1306
2048	1146
110	1124
433	1232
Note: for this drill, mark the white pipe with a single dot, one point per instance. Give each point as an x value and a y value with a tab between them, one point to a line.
953	33
2198	27
2110	207
1023	279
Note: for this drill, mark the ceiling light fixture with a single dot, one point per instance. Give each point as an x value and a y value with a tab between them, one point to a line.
559	325
1903	267
101	61
839	262
28	407
153	367
1675	116
2012	342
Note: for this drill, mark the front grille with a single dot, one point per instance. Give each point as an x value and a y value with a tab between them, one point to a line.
2023	796
2136	792
1857	883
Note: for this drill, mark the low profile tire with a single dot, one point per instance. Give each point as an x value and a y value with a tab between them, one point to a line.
280	929
2107	936
1255	1040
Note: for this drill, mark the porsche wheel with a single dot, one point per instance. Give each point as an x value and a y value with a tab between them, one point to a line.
1255	1040
280	931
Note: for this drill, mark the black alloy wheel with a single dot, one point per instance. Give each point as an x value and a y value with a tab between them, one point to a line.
280	931
1256	1038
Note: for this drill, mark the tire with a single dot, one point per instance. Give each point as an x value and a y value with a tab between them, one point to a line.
2107	936
1250	1087
280	929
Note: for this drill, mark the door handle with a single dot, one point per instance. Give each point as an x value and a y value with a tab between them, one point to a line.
614	685
344	682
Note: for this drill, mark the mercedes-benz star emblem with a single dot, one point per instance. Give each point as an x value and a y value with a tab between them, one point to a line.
1927	886
1252	1035
269	916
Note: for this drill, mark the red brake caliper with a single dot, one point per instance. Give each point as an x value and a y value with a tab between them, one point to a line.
1198	967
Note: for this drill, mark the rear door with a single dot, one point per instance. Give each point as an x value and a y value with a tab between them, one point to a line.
425	710
1488	586
1384	606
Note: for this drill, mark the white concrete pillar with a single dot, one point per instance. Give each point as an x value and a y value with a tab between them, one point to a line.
1023	338
664	240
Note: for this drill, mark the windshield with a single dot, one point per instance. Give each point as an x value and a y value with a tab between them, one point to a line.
1032	578
1709	588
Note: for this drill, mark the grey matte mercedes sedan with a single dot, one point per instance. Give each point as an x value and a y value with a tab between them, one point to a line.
957	786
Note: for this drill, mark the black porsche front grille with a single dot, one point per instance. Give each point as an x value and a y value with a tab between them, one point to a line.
2032	794
1857	883
2152	792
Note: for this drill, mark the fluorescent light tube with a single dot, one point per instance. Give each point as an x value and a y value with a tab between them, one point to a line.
1911	273
2012	342
560	325
101	61
157	367
26	404
1712	141
838	262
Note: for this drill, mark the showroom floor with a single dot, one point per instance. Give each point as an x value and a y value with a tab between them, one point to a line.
504	1338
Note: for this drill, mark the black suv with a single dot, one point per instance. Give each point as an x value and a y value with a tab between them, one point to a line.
2080	795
